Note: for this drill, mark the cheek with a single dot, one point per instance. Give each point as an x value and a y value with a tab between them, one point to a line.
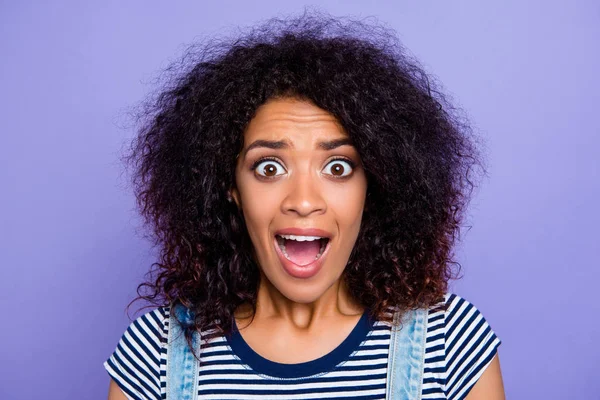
348	202
259	207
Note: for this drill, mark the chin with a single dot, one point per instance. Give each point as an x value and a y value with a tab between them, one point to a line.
301	297
301	291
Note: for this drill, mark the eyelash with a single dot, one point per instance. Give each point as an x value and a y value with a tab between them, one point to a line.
263	159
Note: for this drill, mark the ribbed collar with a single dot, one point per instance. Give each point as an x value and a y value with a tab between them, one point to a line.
323	364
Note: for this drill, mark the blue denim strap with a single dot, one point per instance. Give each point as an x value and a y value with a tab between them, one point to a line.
182	366
407	356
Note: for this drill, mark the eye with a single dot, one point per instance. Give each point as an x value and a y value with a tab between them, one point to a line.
268	168
339	168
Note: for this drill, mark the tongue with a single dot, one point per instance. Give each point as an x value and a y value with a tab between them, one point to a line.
302	253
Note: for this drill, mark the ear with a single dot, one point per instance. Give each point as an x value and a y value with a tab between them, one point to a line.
233	195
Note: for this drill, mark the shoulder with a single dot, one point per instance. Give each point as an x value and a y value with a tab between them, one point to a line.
462	320
140	355
454	312
466	342
150	329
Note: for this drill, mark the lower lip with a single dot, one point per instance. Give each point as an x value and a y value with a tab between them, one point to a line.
301	271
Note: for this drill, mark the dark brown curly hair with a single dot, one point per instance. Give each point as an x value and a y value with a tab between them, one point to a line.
418	152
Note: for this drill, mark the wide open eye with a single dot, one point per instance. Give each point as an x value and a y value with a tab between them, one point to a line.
268	168
339	168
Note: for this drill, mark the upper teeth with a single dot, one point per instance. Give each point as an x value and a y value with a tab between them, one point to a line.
301	238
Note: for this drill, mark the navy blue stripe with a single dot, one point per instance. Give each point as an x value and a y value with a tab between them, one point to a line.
433	338
137	384
439	381
289	392
455	308
364	357
267	382
433	328
452	320
143	371
432	349
468	341
476	370
225	352
119	379
432	391
323	364
210	363
432	360
227	371
228	377
126	348
462	362
465	325
371	347
434	370
143	333
435	318
345	367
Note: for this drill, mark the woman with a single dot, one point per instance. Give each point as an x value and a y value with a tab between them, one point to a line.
305	183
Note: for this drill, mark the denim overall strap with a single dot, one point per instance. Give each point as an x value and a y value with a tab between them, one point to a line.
182	366
406	358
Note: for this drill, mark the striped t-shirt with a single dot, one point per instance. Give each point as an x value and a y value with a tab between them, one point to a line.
459	346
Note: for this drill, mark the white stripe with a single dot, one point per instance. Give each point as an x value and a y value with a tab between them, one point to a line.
231	368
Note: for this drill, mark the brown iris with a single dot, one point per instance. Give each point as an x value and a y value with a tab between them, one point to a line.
270	170
337	169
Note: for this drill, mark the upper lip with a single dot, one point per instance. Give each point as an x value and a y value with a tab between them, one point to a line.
304	232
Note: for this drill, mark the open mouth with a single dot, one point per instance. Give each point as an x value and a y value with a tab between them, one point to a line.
302	250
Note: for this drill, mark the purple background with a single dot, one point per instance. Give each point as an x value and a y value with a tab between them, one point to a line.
526	72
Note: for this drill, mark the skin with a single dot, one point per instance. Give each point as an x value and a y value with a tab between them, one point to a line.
488	387
301	187
302	192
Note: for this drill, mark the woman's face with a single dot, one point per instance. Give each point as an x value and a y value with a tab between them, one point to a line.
299	175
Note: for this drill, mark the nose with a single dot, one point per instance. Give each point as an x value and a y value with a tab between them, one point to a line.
304	196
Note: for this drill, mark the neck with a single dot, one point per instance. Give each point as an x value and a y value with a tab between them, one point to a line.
335	303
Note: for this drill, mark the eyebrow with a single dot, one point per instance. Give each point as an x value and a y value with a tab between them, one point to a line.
284	144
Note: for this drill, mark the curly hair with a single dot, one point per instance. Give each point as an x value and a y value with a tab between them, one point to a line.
418	152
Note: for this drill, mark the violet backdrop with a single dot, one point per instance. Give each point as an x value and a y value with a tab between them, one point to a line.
525	72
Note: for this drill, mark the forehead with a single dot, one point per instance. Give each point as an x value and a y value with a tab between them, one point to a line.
288	116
